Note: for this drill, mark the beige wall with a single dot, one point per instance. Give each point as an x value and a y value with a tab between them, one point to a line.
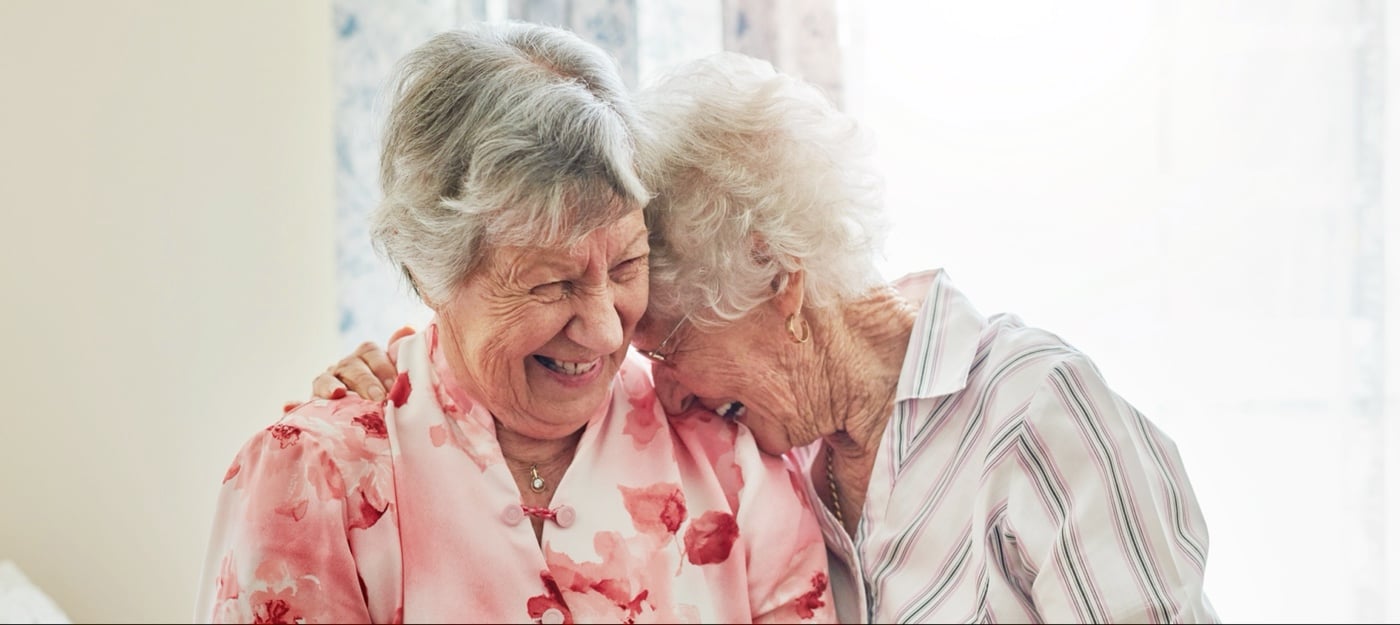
166	273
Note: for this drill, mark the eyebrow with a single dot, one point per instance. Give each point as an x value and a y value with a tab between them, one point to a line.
551	263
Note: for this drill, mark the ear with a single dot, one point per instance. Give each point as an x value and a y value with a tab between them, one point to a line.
789	292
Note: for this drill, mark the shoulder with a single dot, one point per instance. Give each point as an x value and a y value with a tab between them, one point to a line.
1044	382
1012	356
344	439
1017	367
338	422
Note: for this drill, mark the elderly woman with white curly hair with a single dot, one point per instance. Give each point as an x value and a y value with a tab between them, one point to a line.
964	468
519	468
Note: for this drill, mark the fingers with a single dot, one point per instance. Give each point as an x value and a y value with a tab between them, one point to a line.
400	333
326	386
368	372
359	377
379	365
394	338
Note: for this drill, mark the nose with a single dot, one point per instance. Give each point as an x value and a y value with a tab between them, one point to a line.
597	324
675	397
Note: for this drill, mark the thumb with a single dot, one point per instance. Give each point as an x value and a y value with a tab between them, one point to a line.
393	338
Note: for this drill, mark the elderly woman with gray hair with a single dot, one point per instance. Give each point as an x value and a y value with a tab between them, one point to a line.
964	468
519	468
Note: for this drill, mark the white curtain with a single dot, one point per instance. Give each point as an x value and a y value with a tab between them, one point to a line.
1193	192
1198	193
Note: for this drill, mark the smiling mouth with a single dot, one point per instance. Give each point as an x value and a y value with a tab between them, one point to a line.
731	410
564	367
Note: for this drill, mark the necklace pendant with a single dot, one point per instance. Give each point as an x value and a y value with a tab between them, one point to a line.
536	482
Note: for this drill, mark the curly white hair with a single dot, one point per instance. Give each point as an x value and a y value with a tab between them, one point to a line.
756	175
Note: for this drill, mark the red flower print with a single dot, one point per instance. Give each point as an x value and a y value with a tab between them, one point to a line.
286	435
232	471
228	578
454	401
269	607
716	439
605	589
274	611
642	422
616	591
552	598
634	607
325	477
365	515
295	509
812	599
373	423
399	393
711	537
656	509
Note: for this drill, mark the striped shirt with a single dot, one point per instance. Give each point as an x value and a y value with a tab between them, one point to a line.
1012	485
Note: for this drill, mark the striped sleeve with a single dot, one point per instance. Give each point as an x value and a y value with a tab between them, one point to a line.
1102	515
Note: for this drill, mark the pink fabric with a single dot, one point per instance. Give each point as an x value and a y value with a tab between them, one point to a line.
353	511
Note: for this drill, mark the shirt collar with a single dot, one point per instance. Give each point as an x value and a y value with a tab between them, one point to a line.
944	341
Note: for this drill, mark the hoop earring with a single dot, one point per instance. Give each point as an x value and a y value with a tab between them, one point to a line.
797	329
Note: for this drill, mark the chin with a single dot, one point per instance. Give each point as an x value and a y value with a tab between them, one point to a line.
577	412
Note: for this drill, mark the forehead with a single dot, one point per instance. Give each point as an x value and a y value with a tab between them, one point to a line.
623	235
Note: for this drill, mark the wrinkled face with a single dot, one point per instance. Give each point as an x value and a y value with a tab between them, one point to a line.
736	371
537	334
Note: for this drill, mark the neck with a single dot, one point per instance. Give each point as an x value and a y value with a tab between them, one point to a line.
865	344
549	457
528	457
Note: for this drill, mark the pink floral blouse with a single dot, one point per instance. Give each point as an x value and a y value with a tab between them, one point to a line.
404	511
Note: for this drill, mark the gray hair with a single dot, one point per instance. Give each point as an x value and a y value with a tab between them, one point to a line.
501	134
756	175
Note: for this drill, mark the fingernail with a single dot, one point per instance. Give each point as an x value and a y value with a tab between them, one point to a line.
376	394
338	393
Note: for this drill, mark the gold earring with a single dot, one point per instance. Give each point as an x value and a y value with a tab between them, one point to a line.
797	329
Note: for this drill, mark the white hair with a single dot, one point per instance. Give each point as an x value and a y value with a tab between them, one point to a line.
756	175
501	134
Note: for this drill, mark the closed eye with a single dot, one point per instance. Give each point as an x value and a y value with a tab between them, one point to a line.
552	291
629	269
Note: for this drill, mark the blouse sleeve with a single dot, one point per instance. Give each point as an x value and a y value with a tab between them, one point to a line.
279	551
1102	523
788	576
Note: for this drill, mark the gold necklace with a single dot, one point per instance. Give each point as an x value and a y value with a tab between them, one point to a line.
536	482
831	483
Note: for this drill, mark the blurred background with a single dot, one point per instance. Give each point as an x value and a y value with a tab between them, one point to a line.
1204	195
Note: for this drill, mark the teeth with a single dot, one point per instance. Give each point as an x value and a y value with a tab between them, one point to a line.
731	410
567	368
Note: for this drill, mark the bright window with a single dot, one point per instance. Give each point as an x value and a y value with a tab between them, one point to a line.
1192	192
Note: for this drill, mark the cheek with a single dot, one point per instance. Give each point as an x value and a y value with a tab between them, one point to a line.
506	345
497	337
707	377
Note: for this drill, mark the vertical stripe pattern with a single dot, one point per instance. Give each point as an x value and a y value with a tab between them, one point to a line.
1012	485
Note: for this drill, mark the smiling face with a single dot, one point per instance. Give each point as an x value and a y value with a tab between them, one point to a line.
537	334
744	371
